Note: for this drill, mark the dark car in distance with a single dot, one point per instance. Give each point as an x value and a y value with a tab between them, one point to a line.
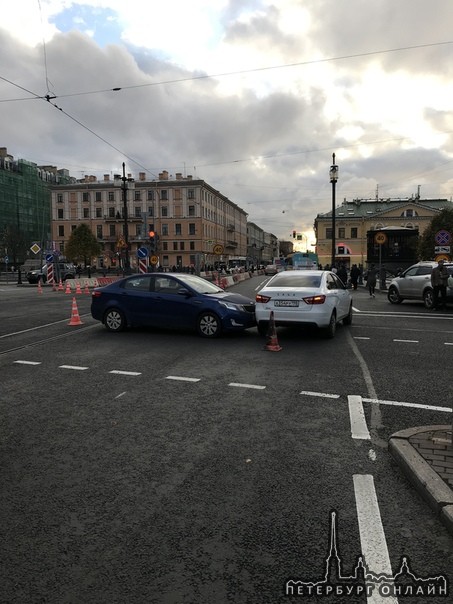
64	270
174	301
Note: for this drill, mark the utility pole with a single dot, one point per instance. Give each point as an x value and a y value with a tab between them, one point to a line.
127	263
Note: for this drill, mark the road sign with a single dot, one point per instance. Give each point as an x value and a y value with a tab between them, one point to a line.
142	252
442	237
35	248
49	257
218	249
443	257
442	249
6	259
154	259
380	238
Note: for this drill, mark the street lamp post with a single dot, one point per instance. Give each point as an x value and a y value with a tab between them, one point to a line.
333	179
127	263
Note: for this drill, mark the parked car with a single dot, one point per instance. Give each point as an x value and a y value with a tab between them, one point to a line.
415	284
171	300
310	298
271	269
66	270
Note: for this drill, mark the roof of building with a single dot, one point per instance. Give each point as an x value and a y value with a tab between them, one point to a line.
358	208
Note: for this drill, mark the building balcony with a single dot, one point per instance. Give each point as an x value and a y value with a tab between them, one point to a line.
231	244
231	227
120	218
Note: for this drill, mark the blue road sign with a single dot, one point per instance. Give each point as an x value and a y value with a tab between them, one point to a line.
49	257
142	252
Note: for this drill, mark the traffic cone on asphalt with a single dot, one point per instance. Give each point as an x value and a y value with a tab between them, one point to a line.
39	286
86	290
60	286
68	288
272	341
75	317
78	290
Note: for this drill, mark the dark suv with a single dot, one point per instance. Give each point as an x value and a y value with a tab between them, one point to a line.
66	270
415	284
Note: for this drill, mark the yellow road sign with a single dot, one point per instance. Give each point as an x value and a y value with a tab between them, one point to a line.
444	257
218	249
380	238
154	259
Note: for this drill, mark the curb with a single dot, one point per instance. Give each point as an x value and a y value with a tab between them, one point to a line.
426	480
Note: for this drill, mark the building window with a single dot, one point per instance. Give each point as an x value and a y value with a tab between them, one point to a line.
86	212
175	246
138	230
60	213
112	230
111	196
164	211
111	212
353	232
165	246
86	197
165	261
150	195
164	194
98	196
99	231
137	195
150	211
60	230
341	232
192	245
59	197
73	227
138	212
98	212
329	233
191	194
178	229
191	228
191	210
181	245
165	229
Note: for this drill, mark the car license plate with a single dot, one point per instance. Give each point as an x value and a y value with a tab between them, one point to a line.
286	303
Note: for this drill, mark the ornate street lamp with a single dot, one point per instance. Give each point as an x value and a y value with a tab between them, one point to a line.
333	179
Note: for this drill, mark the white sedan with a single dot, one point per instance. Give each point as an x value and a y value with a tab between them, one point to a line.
304	298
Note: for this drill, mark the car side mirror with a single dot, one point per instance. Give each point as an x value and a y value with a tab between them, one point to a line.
183	291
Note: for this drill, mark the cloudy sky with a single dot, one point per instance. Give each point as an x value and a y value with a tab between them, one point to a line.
253	96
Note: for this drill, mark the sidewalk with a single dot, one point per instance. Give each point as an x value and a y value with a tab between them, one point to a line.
425	455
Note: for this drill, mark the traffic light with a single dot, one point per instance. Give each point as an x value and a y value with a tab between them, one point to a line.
294	234
152	241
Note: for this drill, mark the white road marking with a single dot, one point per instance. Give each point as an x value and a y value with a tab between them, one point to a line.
361	338
74	367
408	341
372	537
182	379
120	395
321	394
448	343
254	386
415	405
28	362
359	428
117	372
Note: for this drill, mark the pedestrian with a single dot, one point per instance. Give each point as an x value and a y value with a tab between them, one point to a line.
439	280
371	279
355	272
343	274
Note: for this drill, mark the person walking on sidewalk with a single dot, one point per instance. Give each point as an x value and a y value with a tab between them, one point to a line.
355	273
439	280
371	280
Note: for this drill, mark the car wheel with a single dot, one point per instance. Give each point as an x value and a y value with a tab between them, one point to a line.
263	327
329	331
208	325
428	299
114	320
393	296
348	319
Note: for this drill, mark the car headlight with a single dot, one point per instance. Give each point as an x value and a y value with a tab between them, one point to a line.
229	305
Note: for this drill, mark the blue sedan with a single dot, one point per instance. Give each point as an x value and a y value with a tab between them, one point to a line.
171	300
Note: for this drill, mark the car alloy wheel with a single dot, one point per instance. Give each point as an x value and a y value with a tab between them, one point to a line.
208	325
393	296
428	299
331	329
114	320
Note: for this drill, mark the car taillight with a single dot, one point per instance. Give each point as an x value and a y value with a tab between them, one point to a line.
262	299
314	300
96	294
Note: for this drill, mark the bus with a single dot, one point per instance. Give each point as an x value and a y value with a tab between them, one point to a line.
237	262
302	260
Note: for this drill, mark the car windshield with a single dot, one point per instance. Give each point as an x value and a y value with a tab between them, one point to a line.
201	286
293	280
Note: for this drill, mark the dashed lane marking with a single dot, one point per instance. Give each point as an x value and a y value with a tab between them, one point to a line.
118	372
74	367
321	394
359	429
28	362
407	341
254	386
182	379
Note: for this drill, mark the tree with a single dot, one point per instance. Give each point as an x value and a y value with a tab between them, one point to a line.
442	222
82	245
14	242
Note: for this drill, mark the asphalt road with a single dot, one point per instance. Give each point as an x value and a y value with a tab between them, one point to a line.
158	467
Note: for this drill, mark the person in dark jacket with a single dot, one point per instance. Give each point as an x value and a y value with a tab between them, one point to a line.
371	280
343	274
439	280
355	272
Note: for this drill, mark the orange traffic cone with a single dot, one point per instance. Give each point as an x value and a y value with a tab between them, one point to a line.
68	288
75	318
86	290
54	286
78	290
60	286
272	341
39	286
